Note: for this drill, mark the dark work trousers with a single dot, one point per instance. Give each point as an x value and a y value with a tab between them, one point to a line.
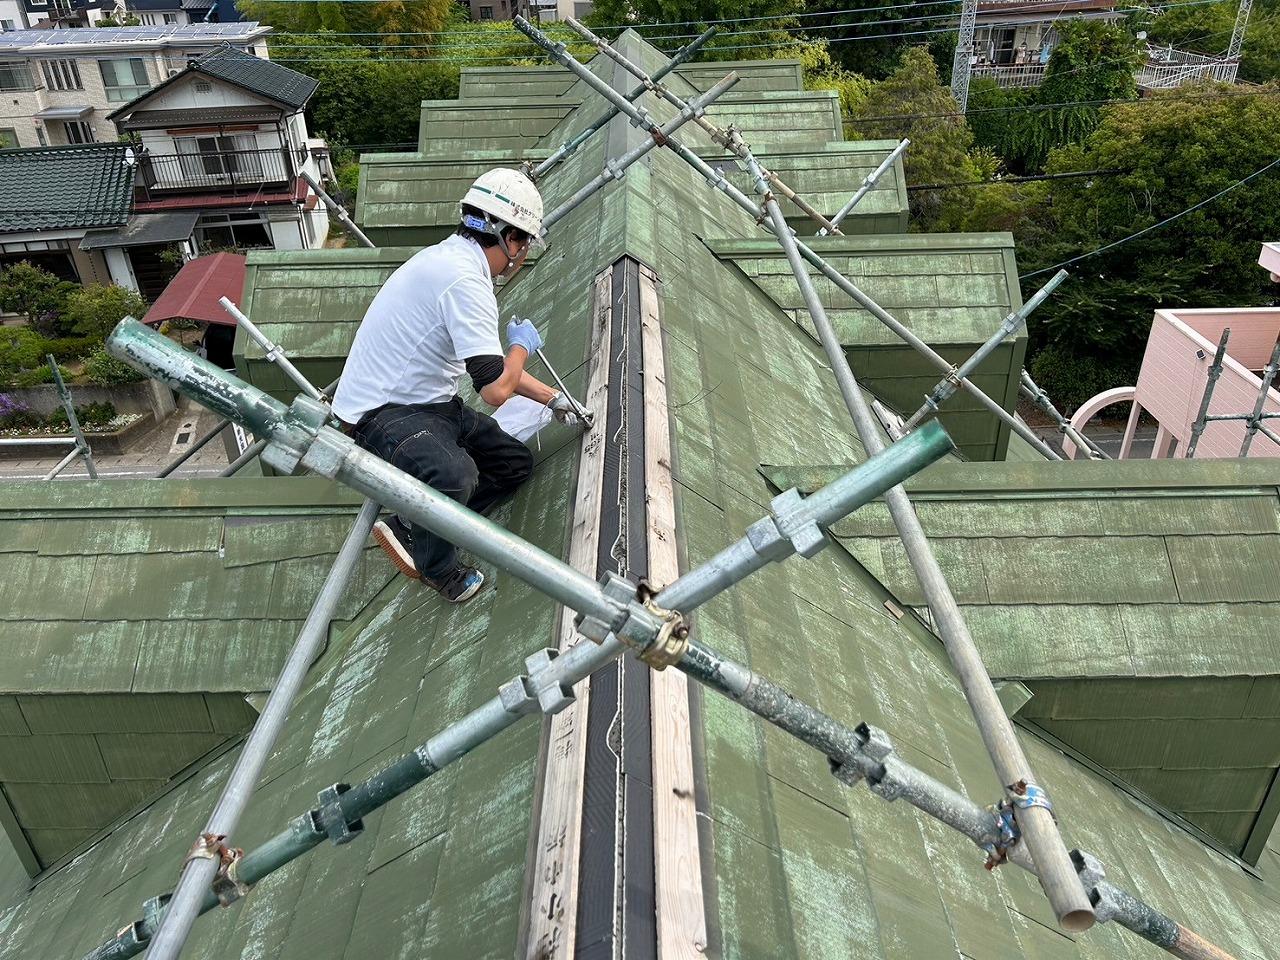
454	449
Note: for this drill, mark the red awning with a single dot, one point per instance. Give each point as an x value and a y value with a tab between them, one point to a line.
194	293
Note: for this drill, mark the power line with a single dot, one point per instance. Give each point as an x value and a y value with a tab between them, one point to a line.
1154	226
779	18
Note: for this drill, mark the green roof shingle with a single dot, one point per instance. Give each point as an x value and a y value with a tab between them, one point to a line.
63	188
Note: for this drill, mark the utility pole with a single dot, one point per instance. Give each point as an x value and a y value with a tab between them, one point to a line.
1237	35
962	65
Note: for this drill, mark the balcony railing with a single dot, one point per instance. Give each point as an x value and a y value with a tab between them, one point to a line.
215	171
1167	68
1012	74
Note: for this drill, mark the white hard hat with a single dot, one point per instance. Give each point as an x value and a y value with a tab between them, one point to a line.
508	195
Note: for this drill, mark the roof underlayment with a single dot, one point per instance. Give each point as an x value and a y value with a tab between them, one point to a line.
793	864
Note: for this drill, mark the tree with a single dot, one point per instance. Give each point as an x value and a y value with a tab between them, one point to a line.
765	24
35	293
378	23
913	103
94	311
1174	150
871	39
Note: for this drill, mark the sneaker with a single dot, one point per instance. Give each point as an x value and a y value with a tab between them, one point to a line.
396	541
460	585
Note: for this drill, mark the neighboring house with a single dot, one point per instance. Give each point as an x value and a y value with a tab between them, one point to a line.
58	86
225	139
1179	387
53	196
1013	39
1128	610
13	16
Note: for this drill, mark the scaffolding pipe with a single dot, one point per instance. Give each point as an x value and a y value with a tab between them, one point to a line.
1041	399
1008	327
82	445
251	452
198	874
274	352
717	180
617	169
861	753
193	449
868	183
62	465
299	435
1036	821
338	210
720	136
1255	421
565	149
1215	371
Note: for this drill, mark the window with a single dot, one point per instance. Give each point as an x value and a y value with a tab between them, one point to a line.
170	18
219	159
124	79
148	19
78	131
238	231
486	13
6	26
61	75
8	138
15	75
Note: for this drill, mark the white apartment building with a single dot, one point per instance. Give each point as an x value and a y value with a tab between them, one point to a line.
58	86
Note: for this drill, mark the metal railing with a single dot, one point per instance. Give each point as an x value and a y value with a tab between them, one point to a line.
1012	74
1167	76
229	168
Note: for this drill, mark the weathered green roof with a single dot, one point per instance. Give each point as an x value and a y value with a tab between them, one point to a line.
951	290
795	864
172	601
62	188
1137	601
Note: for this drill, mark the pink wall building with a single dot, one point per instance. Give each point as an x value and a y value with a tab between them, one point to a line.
1175	372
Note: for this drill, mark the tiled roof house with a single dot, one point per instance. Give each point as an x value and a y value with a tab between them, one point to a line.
1125	608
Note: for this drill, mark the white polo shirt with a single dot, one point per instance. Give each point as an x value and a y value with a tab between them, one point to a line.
436	311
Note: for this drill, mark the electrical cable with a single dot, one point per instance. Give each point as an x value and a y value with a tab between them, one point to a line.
1154	226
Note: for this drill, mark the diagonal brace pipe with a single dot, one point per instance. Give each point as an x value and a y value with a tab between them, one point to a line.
717	181
1008	327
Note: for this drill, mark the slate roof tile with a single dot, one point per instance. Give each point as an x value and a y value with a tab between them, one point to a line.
65	188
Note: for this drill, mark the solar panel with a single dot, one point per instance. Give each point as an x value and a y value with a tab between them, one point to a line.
18	39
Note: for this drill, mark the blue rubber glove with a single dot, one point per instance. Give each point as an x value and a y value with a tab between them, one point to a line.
523	333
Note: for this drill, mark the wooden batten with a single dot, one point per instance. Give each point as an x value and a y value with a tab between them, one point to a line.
682	920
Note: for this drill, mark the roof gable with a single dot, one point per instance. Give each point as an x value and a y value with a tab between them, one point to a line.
61	188
265	79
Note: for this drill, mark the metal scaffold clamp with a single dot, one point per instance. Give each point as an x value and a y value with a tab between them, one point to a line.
227	887
870	763
542	685
660	637
330	819
1022	795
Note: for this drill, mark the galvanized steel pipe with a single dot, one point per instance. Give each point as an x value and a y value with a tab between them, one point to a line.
1039	830
188	897
721	137
616	169
566	149
718	181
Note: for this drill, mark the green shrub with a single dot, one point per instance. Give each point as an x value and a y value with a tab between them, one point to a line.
104	369
36	376
1070	380
97	414
21	348
94	311
72	348
58	420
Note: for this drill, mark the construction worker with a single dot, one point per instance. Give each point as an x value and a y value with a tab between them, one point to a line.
434	319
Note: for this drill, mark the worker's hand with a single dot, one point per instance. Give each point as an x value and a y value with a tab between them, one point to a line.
562	409
522	333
